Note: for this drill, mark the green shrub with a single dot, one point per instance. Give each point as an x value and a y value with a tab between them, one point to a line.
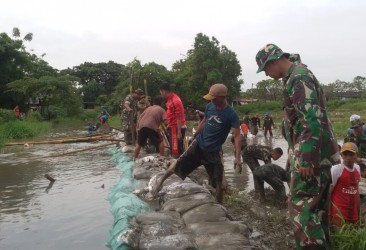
349	237
260	107
7	115
57	112
34	117
22	129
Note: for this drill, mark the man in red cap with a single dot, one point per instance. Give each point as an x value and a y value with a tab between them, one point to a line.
211	134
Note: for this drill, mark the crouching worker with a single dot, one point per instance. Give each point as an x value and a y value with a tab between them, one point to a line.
209	138
275	176
345	198
148	127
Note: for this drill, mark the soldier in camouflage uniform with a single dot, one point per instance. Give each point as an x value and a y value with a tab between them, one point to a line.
274	175
358	138
252	153
313	143
128	114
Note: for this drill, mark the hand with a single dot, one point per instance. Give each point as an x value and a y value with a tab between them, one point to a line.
306	172
238	164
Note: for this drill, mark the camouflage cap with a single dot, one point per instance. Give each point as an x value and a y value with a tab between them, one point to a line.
356	123
295	58
268	53
139	91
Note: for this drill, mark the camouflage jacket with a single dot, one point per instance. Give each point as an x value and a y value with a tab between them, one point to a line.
360	141
258	152
129	100
310	129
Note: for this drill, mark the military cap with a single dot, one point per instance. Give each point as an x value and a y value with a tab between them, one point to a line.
356	123
268	53
295	58
139	91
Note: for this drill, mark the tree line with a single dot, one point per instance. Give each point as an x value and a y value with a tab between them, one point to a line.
28	78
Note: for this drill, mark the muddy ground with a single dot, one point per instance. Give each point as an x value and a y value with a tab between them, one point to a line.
268	220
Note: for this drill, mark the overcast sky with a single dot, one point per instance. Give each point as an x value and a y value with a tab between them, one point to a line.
330	35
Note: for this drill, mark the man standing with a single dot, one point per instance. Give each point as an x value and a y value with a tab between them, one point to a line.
268	124
358	138
314	146
148	127
256	122
128	115
176	119
210	136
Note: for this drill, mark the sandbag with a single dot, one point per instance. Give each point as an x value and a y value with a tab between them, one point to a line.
188	202
205	213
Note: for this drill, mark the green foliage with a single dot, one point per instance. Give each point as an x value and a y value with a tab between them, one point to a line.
206	64
57	94
260	107
22	129
34	117
349	237
7	115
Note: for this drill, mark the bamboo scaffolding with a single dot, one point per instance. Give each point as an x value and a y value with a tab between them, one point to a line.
77	151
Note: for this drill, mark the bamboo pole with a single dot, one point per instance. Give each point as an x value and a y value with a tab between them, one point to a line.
60	141
78	150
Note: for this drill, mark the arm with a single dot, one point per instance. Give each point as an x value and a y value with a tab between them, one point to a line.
237	142
302	90
127	106
200	127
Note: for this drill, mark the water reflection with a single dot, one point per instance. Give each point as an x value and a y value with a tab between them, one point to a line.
71	213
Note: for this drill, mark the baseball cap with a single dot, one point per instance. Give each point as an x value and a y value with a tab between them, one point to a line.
216	90
268	53
349	146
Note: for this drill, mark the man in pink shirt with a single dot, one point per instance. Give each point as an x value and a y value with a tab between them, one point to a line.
175	118
345	198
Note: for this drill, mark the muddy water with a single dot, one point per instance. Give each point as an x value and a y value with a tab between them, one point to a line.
244	181
72	214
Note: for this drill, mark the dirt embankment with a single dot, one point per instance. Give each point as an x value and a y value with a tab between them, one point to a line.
269	220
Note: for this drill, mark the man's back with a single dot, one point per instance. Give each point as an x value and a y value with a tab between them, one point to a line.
258	152
152	117
175	110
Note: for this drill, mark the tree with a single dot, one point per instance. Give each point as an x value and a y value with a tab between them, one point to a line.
204	65
16	62
269	90
57	92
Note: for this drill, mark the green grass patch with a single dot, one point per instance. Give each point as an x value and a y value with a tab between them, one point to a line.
260	108
349	237
14	130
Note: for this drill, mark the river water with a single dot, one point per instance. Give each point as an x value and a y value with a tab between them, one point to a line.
74	212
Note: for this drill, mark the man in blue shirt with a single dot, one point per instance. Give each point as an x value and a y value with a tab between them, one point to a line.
210	136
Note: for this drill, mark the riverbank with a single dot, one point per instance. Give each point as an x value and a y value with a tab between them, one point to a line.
339	112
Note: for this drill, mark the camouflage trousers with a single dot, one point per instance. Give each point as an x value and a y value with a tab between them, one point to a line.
126	127
308	207
272	174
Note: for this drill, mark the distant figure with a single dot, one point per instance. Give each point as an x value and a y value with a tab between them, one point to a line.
176	119
268	124
103	118
275	176
244	129
345	197
199	115
256	122
148	127
17	112
129	114
358	138
92	128
246	120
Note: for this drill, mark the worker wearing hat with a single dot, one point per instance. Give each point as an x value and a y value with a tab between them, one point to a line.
128	115
357	137
211	134
313	142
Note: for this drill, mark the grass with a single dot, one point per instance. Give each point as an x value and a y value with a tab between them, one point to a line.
349	237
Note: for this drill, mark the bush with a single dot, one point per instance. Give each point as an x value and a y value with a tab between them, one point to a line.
22	129
349	237
34	117
7	115
260	107
57	112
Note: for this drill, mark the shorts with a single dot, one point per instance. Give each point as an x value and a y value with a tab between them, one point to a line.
147	133
194	157
103	118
